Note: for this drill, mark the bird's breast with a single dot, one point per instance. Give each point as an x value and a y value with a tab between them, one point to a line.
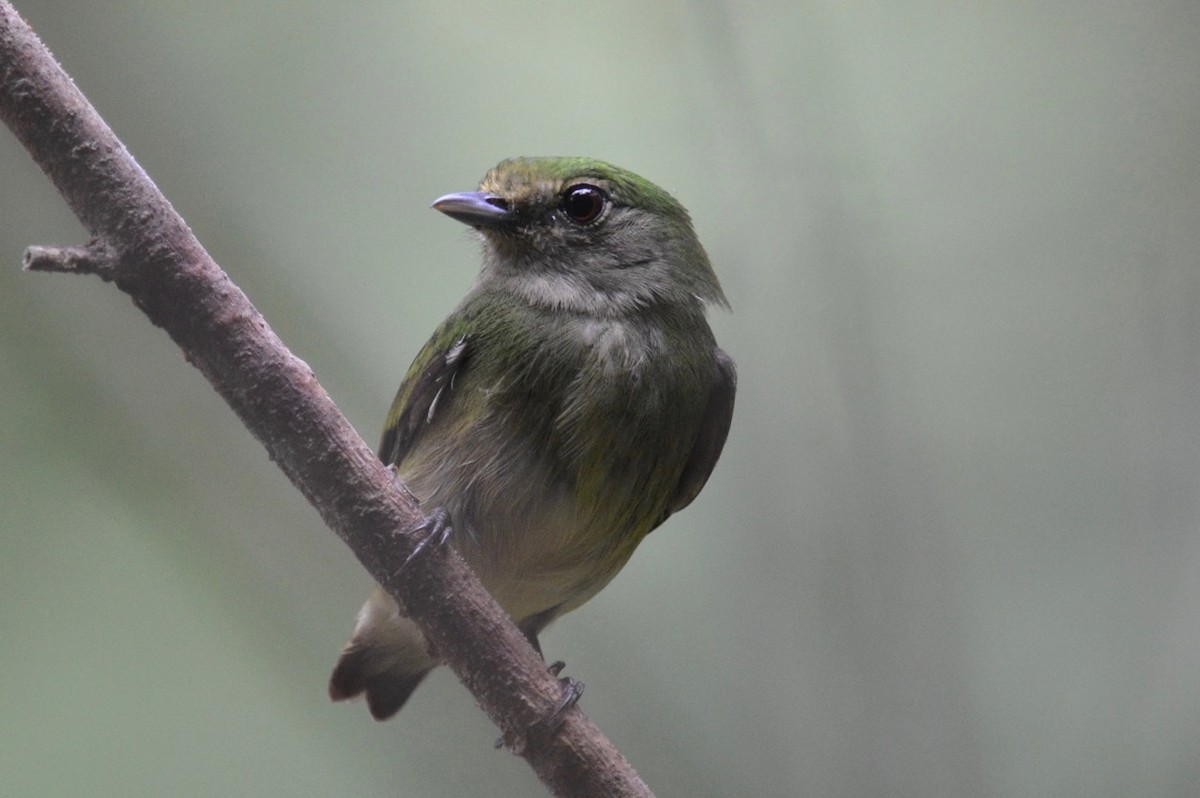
563	453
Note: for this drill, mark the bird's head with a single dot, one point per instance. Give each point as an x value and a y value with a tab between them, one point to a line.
585	236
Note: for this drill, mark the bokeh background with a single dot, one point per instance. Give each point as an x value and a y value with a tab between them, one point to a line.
953	546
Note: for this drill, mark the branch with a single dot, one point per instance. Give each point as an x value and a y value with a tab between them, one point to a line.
92	258
143	246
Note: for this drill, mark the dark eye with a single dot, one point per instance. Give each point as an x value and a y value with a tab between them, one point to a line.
583	203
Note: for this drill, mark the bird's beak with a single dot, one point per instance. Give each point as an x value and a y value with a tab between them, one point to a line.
476	208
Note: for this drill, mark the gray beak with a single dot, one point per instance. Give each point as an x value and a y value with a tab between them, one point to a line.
475	208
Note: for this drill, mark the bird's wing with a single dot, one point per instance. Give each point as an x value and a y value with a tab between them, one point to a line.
425	389
714	428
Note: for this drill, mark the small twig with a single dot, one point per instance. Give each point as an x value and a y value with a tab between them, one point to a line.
91	258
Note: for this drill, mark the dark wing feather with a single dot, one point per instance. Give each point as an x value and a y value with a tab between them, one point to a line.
714	429
429	380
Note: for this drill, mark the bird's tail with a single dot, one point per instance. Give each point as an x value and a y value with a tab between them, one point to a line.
386	659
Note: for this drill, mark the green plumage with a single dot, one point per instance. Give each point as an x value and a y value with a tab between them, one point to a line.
572	401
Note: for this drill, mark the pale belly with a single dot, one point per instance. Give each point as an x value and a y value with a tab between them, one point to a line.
527	539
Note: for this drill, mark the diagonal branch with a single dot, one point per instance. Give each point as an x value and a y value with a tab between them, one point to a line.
142	245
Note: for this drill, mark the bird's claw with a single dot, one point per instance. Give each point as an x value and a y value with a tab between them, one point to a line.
572	692
437	529
544	729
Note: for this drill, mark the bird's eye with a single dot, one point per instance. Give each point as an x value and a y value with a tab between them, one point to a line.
583	203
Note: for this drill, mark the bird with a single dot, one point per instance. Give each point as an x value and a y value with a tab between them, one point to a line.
572	402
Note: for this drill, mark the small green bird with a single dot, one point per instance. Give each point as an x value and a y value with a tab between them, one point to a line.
572	401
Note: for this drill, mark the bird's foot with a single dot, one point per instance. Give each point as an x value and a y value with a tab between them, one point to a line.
544	729
572	692
436	531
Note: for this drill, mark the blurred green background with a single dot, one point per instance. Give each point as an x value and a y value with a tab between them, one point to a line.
952	549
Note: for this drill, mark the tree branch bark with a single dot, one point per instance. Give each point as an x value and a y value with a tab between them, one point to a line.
143	246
